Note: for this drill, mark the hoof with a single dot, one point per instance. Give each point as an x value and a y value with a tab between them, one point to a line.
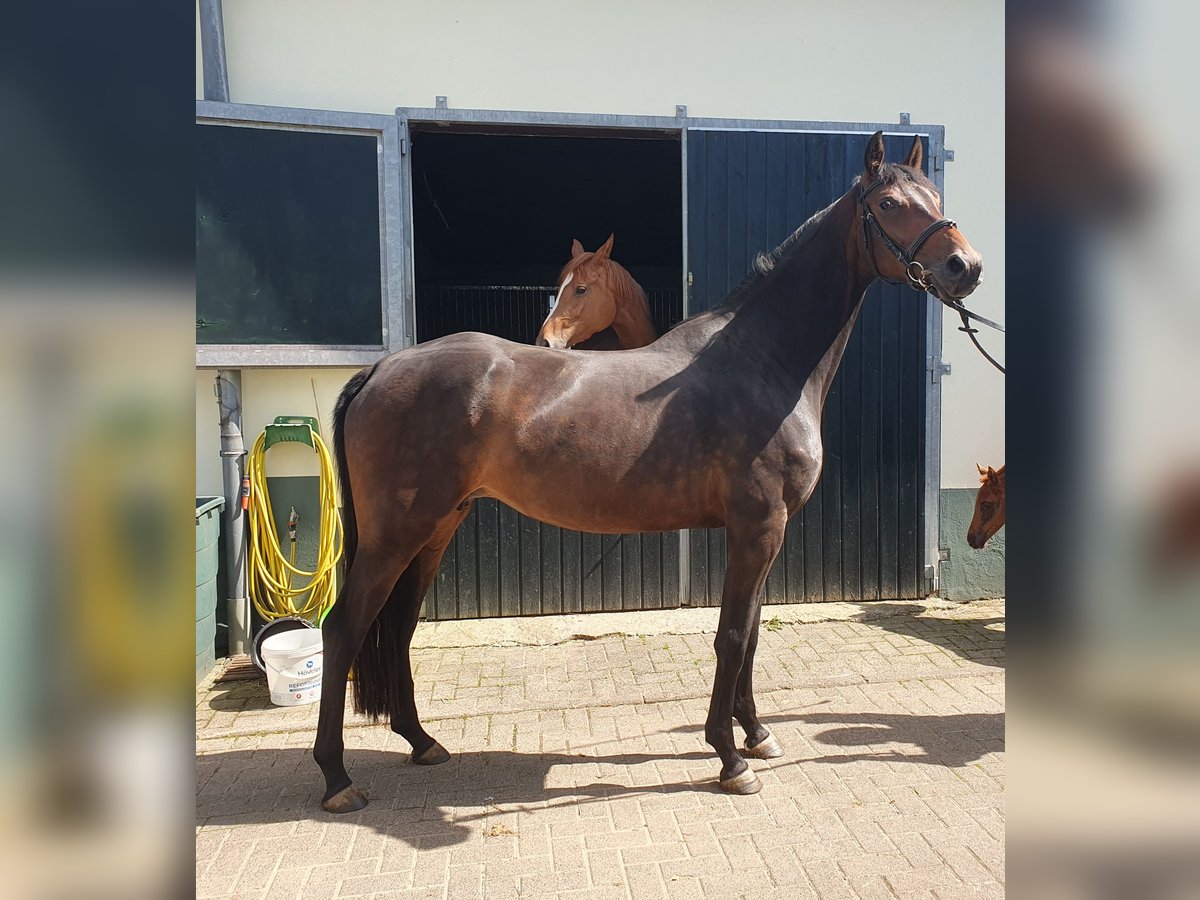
347	800
745	782
767	748
433	755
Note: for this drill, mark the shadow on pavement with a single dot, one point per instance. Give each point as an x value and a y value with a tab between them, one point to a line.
426	807
969	638
950	740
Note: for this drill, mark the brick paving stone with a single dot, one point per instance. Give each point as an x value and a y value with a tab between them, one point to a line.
554	883
580	769
653	853
412	894
828	880
286	885
683	888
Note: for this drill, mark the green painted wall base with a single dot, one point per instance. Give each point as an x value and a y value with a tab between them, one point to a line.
967	574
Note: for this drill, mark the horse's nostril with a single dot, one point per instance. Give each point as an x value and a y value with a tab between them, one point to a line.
955	265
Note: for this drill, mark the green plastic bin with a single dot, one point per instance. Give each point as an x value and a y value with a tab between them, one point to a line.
208	536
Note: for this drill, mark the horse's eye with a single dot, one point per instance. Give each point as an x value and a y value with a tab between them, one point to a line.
986	507
580	291
887	204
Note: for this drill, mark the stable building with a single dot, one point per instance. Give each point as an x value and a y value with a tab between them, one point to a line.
371	180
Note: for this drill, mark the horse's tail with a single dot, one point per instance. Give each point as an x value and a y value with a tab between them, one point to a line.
377	676
349	526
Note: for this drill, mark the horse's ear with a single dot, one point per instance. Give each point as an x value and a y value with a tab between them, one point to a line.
916	155
576	248
982	471
605	249
873	159
991	474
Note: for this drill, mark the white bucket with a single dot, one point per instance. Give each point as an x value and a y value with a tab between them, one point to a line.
293	663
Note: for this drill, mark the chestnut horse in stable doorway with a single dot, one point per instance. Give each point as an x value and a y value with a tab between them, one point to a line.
717	423
598	305
989	507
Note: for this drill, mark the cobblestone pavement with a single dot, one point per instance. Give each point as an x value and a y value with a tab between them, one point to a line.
580	769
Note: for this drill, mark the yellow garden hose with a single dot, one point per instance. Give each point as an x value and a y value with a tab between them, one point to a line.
277	587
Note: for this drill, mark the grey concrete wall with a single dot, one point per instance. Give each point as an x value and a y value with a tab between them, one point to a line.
967	574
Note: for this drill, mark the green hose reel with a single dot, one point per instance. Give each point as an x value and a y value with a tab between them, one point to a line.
292	429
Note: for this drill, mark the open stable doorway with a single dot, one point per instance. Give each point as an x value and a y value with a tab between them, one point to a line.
494	215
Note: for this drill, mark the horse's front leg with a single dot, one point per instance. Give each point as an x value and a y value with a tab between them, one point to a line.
752	548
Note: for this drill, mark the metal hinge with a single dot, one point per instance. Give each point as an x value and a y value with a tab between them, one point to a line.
931	579
936	368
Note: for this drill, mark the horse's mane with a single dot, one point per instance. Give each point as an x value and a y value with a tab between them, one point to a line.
765	263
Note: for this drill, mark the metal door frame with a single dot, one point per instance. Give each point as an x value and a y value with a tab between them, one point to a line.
498	122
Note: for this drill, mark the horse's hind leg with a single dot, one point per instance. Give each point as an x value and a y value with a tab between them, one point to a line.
760	743
410	590
368	584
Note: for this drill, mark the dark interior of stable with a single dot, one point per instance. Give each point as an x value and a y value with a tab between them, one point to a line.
494	216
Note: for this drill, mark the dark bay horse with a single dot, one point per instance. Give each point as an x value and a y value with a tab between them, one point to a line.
598	305
989	507
717	423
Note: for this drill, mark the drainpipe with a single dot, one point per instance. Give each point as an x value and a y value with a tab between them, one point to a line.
233	454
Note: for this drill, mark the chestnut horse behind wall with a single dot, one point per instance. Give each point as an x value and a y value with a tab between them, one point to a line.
717	423
598	305
989	507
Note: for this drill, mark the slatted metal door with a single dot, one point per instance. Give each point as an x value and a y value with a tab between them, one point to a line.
502	563
860	537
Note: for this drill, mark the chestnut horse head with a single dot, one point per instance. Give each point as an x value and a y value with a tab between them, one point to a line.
989	507
595	293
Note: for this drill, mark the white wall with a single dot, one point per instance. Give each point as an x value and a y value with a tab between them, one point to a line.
941	61
266	393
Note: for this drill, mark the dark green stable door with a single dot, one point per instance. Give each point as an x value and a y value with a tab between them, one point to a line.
502	563
860	536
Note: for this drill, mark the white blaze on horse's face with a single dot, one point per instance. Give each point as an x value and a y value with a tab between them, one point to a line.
556	341
570	277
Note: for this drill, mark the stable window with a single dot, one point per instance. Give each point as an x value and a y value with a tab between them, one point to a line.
295	264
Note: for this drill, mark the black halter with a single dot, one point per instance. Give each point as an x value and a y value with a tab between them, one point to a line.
917	274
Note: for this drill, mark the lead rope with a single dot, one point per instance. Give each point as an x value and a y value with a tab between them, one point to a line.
964	313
